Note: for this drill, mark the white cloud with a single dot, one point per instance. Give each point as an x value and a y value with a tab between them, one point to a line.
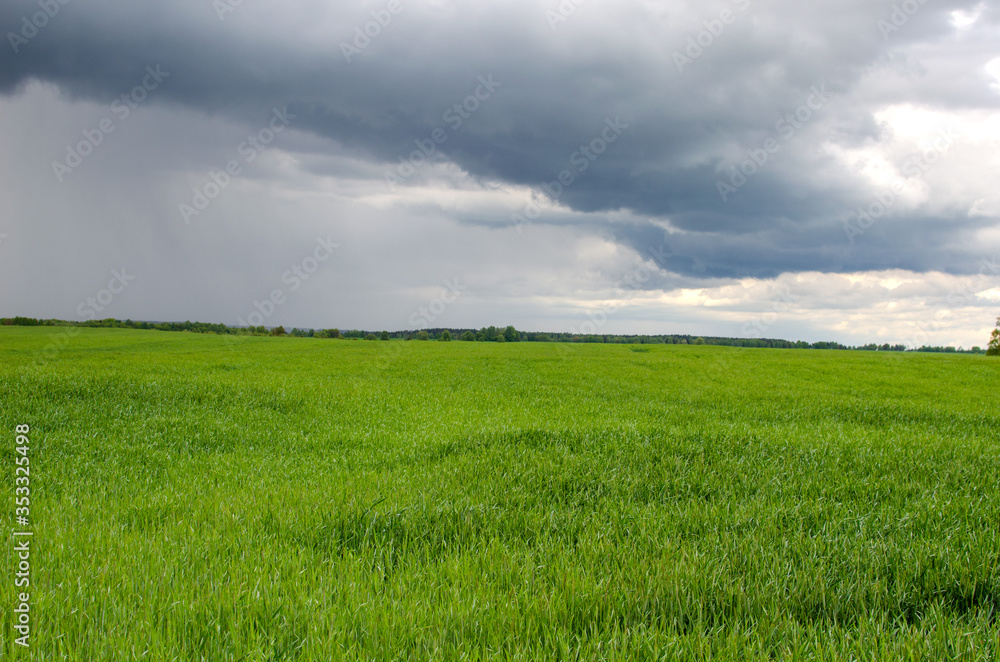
962	19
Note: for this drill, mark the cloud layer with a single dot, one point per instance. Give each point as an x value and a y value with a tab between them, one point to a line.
540	150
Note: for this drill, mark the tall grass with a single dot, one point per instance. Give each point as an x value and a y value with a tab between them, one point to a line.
290	499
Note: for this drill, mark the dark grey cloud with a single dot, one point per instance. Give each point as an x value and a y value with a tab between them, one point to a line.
558	88
689	121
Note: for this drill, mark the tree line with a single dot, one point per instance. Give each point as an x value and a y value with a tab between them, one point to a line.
496	334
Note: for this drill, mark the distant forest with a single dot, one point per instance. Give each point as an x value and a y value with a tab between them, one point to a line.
485	334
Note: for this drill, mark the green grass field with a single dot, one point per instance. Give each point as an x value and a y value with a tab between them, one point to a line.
198	498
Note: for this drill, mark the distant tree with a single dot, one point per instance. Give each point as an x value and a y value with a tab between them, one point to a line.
501	338
371	336
994	348
511	334
698	341
278	331
333	333
468	336
384	335
445	335
423	335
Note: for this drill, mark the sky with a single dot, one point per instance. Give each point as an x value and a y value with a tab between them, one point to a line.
750	168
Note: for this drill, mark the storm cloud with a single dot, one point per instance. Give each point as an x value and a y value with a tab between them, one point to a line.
713	141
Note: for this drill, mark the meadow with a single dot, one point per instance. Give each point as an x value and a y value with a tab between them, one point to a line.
196	497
